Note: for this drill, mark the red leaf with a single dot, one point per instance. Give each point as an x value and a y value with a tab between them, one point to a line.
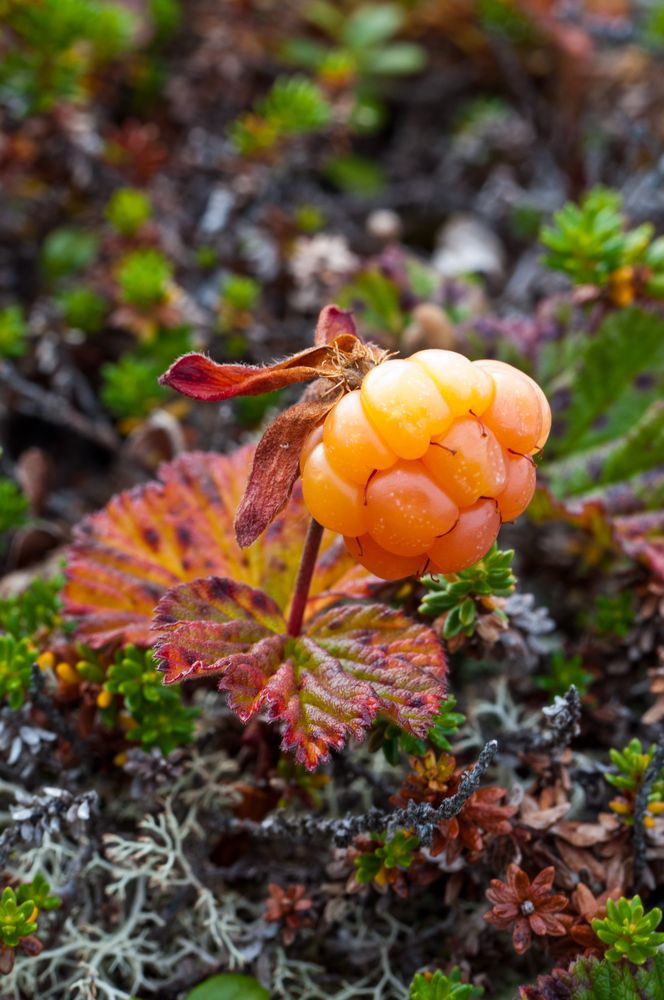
151	538
325	686
215	619
277	466
333	322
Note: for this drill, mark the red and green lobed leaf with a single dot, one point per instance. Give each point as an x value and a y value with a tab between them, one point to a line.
149	539
325	686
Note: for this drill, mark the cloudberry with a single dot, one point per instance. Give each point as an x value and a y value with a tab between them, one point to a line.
467	462
420	466
405	406
515	412
469	540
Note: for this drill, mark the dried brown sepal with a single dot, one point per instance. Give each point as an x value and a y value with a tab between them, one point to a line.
276	465
333	322
277	460
200	377
338	361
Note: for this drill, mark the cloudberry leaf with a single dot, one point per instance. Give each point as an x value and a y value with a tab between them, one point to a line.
149	539
210	622
606	386
402	660
325	686
635	451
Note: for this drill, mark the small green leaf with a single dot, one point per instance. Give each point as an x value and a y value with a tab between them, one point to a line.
370	25
396	60
229	986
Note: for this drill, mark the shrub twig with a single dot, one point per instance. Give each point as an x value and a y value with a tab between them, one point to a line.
422	817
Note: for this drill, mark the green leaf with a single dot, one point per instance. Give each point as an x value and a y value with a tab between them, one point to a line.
143	276
67	250
592	979
438	986
370	25
326	16
295	106
629	343
161	719
458	593
395	60
377	300
629	932
641	449
229	986
355	174
13	332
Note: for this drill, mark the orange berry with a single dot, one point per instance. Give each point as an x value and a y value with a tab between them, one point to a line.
514	414
406	509
351	443
382	563
545	409
468	541
464	386
332	500
405	407
314	438
467	462
519	486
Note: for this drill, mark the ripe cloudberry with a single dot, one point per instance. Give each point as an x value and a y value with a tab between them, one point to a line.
420	466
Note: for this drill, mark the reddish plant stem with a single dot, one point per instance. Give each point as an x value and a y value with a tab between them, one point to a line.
304	576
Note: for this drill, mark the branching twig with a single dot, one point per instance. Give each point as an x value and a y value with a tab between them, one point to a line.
641	808
52	408
559	726
420	816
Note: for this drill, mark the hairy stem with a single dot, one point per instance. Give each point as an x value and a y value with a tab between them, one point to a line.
304	576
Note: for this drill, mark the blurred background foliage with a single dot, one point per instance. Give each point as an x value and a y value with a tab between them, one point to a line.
477	175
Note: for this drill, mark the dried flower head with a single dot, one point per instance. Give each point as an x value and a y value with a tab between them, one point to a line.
288	906
526	907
